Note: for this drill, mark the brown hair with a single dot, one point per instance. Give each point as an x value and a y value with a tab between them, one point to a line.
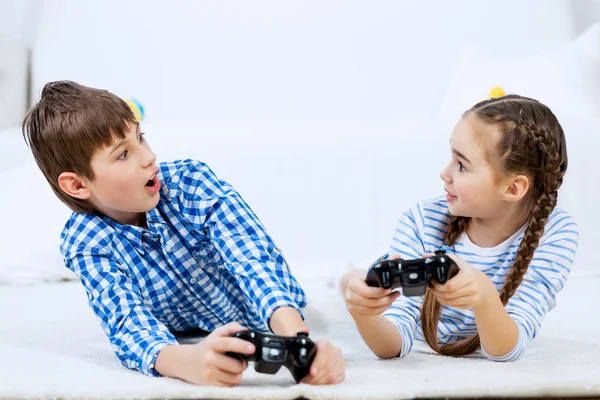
532	143
66	127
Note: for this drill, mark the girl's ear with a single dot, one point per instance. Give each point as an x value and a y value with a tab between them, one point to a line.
73	185
517	188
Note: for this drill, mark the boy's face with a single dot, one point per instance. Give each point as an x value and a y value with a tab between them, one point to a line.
125	184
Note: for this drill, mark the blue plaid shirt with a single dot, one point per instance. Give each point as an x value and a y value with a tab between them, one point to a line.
205	260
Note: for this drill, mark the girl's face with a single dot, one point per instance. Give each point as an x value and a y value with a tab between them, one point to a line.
472	181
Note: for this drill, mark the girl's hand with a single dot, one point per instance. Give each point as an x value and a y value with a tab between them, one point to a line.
468	289
363	300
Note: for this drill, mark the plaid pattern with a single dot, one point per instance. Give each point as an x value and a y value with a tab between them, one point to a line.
205	260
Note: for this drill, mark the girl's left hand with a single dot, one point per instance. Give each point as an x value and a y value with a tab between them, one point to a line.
469	288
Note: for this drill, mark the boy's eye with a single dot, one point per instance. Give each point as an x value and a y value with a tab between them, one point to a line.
461	167
123	155
141	137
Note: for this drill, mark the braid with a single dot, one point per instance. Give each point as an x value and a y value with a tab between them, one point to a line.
523	141
430	315
541	208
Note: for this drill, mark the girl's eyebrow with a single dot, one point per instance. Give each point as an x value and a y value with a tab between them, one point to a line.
458	153
461	155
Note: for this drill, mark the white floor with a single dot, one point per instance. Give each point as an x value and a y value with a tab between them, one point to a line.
52	346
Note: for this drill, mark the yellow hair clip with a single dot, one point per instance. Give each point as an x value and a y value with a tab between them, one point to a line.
496	91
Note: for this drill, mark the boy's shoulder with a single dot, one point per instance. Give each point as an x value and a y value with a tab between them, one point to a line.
190	177
175	168
85	232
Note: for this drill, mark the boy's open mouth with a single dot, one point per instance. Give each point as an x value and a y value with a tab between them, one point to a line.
151	181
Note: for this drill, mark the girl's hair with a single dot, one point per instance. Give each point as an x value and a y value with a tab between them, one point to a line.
532	143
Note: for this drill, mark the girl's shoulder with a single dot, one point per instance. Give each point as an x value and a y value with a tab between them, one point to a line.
430	218
560	224
433	209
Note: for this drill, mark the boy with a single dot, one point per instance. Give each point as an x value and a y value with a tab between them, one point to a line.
162	248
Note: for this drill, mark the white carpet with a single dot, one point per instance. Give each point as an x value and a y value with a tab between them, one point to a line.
52	347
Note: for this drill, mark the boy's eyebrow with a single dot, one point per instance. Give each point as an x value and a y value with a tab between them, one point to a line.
116	146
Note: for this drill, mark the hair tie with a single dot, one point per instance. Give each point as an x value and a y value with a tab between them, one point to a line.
136	107
447	249
496	91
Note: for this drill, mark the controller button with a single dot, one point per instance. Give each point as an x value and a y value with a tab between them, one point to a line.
385	278
302	355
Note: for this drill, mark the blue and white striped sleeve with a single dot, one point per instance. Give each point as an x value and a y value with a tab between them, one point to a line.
544	279
135	334
248	251
407	243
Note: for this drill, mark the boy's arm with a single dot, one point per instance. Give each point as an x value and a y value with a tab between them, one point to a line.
287	321
255	261
247	250
135	334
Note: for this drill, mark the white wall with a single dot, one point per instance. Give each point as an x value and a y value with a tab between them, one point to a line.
13	81
279	69
270	60
585	14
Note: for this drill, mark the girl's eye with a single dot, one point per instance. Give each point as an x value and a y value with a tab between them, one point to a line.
123	155
461	167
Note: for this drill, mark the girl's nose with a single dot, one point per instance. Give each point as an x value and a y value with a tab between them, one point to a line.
445	174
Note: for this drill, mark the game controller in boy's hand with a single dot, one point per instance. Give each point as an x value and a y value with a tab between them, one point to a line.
412	275
296	353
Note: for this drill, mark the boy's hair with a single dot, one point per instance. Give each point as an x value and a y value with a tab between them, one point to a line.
532	143
66	127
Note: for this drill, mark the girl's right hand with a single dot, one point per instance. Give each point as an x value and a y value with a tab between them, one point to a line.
363	300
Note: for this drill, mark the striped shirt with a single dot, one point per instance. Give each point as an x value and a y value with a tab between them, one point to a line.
421	230
205	260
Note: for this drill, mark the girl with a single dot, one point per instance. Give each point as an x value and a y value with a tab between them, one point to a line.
499	223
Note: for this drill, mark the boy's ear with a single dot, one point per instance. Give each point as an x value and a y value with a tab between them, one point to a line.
517	188
73	185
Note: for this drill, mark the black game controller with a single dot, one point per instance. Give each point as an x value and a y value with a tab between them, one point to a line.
412	275
296	353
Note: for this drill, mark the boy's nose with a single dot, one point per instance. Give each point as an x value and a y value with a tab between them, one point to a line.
149	158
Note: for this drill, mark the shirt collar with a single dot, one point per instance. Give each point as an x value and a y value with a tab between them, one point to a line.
134	234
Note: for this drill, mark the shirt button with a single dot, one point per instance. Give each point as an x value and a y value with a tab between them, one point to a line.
193	281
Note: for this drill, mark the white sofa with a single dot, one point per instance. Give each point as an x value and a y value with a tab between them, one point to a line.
329	194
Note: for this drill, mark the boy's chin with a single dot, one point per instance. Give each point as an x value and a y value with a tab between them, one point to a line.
151	205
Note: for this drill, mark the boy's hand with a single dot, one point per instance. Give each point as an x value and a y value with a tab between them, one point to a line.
205	363
468	289
363	300
328	367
